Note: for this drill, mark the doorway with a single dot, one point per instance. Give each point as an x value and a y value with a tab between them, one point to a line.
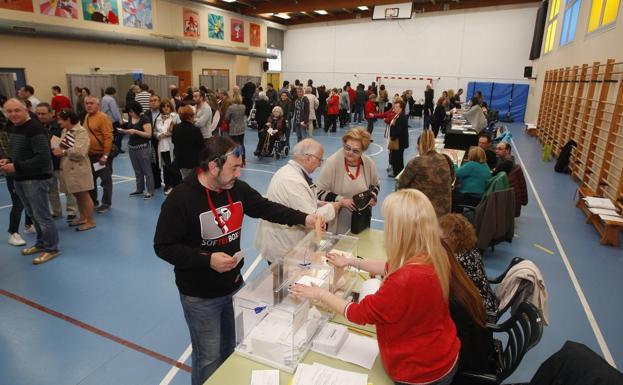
19	77
273	77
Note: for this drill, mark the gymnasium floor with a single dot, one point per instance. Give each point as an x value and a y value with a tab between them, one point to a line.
107	310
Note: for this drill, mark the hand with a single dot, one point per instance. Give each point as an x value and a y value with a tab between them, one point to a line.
336	206
371	115
8	168
57	152
103	159
303	124
222	262
311	219
347	203
310	292
131	131
3	162
338	259
374	200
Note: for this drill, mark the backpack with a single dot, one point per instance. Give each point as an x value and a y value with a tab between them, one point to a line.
562	164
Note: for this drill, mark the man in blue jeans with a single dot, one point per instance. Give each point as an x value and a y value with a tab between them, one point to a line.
31	167
199	231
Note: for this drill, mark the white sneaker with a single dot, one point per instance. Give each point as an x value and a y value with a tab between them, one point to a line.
29	229
16	240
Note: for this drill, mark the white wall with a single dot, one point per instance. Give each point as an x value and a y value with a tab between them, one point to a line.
452	47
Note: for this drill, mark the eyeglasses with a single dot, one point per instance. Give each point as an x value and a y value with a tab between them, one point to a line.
320	160
237	152
354	151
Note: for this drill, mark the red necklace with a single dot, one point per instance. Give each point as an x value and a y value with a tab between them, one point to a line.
350	174
219	219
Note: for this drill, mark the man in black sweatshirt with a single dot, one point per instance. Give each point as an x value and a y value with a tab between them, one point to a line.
31	166
199	231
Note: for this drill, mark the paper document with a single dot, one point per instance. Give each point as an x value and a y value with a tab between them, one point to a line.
240	255
612	218
97	166
318	374
600	203
369	286
308	280
265	377
597	211
359	350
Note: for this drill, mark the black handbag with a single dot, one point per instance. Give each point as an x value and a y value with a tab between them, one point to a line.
362	215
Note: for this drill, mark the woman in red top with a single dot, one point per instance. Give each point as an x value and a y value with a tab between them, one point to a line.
370	110
416	336
333	109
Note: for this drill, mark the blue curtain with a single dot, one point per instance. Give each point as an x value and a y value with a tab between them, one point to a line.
509	99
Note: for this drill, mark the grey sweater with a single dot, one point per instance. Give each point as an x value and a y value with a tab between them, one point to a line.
236	118
29	149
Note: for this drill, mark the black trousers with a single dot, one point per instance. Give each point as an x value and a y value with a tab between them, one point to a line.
371	124
105	174
155	164
16	210
397	160
343	118
332	124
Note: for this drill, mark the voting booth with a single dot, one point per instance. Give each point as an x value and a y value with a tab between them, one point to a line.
273	326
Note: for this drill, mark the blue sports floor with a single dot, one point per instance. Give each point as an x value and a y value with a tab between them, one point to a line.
107	310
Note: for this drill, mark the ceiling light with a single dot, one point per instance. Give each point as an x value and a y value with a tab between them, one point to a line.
282	15
362	8
229	1
321	12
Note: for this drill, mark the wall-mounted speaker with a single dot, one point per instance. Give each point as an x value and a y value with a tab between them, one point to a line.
527	72
265	66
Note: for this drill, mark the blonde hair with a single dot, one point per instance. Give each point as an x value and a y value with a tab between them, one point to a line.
412	230
477	154
450	93
426	142
360	134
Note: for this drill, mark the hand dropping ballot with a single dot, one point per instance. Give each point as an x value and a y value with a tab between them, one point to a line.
239	256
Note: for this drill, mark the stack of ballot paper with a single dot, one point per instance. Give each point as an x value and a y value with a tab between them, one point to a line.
603	207
336	342
318	374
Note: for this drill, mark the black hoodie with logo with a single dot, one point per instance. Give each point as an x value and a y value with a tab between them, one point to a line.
188	233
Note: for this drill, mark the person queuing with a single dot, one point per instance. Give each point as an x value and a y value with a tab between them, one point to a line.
152	116
30	164
300	115
286	106
417	338
438	119
139	146
398	132
187	142
333	110
198	231
163	130
203	114
99	128
236	121
344	107
59	101
73	153
110	108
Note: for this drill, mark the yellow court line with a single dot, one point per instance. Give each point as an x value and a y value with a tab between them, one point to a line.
548	251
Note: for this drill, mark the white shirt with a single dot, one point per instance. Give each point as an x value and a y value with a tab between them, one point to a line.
164	126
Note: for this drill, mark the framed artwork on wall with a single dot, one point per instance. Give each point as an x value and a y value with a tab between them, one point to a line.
137	14
61	8
102	11
190	23
237	30
216	27
17	5
254	34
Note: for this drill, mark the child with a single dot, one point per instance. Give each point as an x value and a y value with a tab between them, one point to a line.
370	108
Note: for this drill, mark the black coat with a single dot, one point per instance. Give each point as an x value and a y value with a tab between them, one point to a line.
400	130
262	112
188	143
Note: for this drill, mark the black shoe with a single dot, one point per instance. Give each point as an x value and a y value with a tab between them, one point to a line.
391	175
71	217
102	209
121	151
136	194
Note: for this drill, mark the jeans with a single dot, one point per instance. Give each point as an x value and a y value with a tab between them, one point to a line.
212	333
358	113
141	163
105	175
55	199
15	216
34	195
301	132
446	380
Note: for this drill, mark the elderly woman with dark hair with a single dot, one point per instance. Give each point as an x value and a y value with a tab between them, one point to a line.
347	173
139	129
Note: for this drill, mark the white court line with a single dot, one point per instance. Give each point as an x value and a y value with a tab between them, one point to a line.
174	369
123	177
379	151
257	170
63	194
378	220
587	309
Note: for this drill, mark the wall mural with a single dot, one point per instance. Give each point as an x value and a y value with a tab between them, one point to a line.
137	14
103	11
216	27
190	23
254	34
62	8
237	30
17	5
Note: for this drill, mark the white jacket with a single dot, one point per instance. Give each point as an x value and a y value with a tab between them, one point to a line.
289	188
524	271
313	105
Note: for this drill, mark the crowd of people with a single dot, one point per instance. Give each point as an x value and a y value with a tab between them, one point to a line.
194	143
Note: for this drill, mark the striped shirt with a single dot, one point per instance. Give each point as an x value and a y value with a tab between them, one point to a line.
142	98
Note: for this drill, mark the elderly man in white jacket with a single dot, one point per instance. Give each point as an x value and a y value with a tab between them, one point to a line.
292	186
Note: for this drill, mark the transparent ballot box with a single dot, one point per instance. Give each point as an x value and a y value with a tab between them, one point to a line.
272	325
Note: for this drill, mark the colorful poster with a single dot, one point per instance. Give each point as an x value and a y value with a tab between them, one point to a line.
237	30
62	8
216	27
137	14
103	11
17	5
190	23
254	34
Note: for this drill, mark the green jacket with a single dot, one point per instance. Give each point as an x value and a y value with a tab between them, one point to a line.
497	183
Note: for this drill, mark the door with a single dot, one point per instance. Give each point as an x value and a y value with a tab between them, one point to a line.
273	77
185	79
19	77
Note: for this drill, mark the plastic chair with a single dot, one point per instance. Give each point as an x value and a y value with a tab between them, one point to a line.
493	317
524	330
